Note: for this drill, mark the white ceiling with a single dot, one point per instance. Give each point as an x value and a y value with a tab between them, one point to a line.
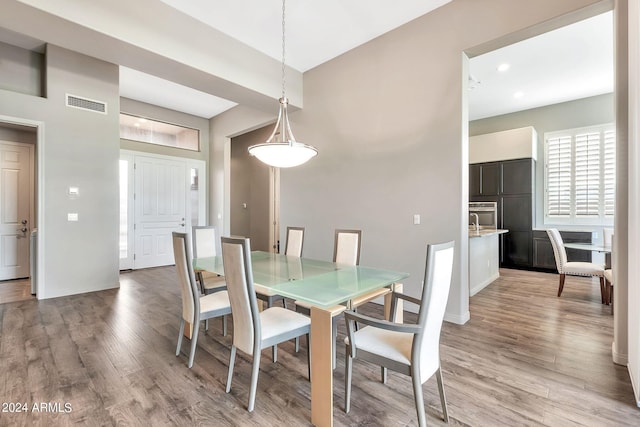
315	33
569	63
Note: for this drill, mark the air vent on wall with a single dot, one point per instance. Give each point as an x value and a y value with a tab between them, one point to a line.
86	104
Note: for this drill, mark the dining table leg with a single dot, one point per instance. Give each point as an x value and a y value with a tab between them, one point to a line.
322	365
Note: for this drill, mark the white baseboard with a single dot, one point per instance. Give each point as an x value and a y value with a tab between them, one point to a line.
458	319
636	391
480	286
619	358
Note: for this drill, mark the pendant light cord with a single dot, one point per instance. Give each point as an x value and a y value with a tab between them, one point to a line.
283	50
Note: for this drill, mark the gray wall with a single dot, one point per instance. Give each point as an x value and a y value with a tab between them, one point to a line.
250	185
78	148
21	70
17	135
391	130
591	111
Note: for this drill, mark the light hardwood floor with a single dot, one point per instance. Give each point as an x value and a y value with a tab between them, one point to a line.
525	358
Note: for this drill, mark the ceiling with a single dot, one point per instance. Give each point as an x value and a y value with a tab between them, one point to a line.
569	63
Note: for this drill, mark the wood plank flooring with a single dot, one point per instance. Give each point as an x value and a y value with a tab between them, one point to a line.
525	358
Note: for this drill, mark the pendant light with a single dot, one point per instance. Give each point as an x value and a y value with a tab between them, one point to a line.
281	149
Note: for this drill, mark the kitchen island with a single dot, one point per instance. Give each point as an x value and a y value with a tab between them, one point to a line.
484	259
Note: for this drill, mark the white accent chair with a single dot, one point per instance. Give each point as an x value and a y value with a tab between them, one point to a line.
608	273
293	247
195	307
409	349
204	246
585	269
295	239
254	330
346	251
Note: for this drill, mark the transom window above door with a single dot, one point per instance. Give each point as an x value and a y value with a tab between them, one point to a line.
159	133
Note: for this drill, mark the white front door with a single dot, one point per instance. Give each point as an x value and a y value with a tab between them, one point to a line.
15	209
160	200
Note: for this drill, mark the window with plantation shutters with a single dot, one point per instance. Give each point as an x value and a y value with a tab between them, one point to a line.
580	175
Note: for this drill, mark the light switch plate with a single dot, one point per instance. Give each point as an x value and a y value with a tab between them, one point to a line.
416	219
74	191
72	216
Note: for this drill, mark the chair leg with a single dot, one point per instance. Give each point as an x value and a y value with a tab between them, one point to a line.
180	335
417	395
383	374
561	286
297	340
443	398
254	381
603	291
348	367
194	341
611	297
206	325
274	349
232	362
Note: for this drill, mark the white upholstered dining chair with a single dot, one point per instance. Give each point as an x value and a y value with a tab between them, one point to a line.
609	280
254	330
204	246
585	269
295	239
346	251
293	247
410	349
195	307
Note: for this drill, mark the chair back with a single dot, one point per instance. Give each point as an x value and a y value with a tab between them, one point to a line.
295	237
607	236
346	248
188	290
435	293
236	258
204	241
559	252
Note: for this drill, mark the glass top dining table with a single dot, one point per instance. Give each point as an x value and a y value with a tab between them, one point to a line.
325	285
320	283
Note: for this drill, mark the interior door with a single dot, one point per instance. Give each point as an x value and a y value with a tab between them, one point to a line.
15	209
160	200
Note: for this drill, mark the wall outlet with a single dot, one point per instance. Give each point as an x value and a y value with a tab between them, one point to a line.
72	216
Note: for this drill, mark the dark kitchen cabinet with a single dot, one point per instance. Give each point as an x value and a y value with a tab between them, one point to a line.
517	176
484	179
543	258
510	183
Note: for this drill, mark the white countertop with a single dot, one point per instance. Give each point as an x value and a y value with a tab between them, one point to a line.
486	232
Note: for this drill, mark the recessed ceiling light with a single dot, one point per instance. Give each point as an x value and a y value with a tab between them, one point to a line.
518	94
503	67
143	120
137	125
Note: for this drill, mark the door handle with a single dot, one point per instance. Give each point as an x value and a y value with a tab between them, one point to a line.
182	225
24	230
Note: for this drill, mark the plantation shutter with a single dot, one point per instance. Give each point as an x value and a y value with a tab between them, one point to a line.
559	176
587	174
609	172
